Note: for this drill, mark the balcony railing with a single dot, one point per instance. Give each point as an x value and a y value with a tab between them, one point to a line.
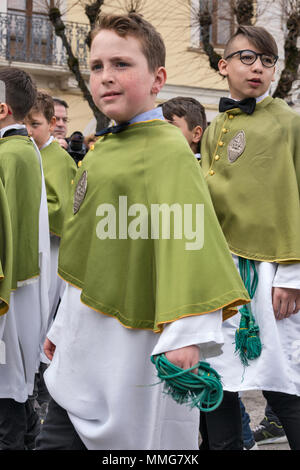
32	39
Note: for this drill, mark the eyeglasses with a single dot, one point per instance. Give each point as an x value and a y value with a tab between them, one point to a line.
248	57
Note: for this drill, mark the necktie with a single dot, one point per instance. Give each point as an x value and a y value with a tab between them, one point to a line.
247	105
113	129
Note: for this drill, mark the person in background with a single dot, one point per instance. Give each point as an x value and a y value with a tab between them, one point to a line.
189	116
59	171
24	263
61	124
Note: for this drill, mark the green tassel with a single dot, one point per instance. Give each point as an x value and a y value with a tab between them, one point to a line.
247	341
253	345
203	390
241	333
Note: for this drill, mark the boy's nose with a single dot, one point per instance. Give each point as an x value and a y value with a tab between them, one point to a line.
257	66
107	75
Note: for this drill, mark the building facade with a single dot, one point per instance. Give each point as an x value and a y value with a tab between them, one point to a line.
28	41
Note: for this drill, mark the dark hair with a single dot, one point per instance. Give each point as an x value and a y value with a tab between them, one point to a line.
133	24
44	104
258	36
189	108
60	101
20	91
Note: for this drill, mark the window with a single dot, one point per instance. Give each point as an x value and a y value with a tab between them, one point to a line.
223	21
222	16
30	34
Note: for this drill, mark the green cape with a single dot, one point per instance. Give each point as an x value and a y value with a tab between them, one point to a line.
5	252
252	166
20	197
145	282
59	170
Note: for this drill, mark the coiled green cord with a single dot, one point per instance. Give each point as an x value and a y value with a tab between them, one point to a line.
203	390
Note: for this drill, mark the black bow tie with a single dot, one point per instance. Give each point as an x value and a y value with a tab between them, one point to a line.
10	132
247	105
113	129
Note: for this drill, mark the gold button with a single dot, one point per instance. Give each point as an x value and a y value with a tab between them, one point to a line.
92	147
224	130
79	163
221	144
211	172
231	116
217	157
72	181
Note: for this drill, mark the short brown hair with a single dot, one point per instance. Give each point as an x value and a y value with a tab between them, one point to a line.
20	91
258	36
133	24
43	104
188	108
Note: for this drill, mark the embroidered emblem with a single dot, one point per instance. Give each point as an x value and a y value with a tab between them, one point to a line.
236	146
80	192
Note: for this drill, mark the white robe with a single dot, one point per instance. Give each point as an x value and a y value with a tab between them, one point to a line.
278	367
56	287
23	328
102	375
57	284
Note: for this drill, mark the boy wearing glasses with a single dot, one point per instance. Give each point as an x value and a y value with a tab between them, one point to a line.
251	161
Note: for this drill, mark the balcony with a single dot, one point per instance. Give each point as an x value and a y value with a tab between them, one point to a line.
32	40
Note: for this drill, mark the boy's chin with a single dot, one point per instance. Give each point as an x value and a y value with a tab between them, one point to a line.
117	118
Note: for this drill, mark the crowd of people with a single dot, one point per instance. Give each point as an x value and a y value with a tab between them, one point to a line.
87	306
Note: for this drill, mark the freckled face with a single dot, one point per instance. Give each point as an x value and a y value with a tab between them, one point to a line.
121	84
246	80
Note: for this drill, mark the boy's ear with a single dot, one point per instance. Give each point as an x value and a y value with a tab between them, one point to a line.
52	124
4	111
197	134
159	80
273	76
223	67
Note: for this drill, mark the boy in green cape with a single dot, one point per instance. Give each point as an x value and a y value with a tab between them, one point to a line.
59	171
187	114
130	266
251	160
24	261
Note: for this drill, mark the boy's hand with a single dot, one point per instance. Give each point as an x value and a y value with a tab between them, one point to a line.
184	357
285	302
49	348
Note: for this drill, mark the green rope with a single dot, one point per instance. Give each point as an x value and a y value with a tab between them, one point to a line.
247	341
203	391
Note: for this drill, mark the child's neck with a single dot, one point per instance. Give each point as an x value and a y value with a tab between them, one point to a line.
9	121
258	99
47	142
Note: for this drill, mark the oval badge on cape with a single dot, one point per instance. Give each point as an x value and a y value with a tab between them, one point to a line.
80	192
236	146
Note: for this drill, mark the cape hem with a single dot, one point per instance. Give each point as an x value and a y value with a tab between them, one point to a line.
227	305
267	259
